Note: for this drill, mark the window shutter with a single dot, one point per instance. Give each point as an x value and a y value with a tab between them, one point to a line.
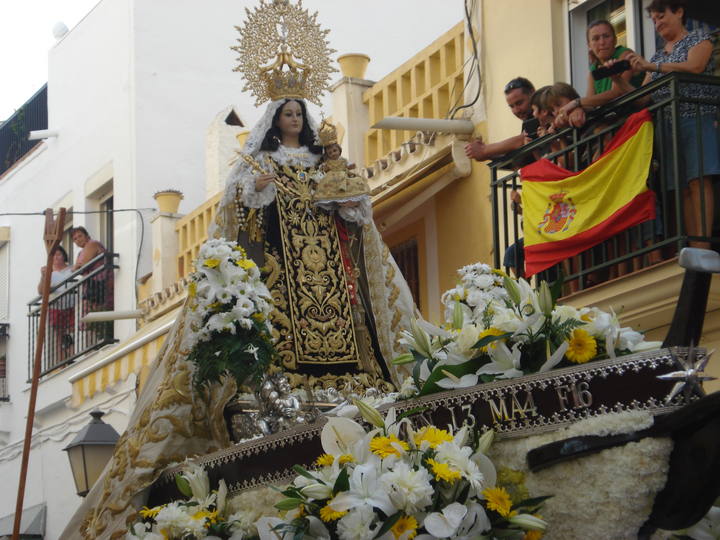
4	283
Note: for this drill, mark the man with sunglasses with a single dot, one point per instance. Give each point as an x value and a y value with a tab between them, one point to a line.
517	94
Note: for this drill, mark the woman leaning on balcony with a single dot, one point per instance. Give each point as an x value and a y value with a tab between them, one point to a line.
687	52
61	312
602	48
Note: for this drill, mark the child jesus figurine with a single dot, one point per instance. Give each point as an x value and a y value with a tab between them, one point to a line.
337	183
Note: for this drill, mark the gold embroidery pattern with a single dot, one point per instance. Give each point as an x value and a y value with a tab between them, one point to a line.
173	423
320	314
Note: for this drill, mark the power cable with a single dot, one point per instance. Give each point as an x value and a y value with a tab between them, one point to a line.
468	18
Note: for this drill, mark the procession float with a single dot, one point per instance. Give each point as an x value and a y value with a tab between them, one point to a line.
299	395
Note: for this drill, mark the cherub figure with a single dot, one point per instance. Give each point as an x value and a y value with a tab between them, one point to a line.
279	409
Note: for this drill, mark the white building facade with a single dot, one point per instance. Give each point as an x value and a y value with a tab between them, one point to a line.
131	92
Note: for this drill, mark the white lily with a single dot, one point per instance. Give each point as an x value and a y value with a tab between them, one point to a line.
198	480
555	357
451	381
317	491
365	489
504	362
445	524
485	441
708	528
339	434
528	522
476	521
221	499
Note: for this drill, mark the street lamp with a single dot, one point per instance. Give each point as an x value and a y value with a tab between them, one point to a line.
90	451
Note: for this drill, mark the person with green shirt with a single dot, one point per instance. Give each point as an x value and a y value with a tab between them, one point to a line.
603	47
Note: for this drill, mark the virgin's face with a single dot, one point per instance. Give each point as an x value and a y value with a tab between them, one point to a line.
667	24
602	42
290	121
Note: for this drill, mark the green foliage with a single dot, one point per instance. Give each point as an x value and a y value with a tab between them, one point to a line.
231	353
342	483
183	485
430	386
389	522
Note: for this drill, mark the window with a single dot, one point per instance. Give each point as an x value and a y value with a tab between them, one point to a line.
406	257
4	283
67	242
3	380
106	223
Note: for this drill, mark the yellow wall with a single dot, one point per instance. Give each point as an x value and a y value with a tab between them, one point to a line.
519	38
464	225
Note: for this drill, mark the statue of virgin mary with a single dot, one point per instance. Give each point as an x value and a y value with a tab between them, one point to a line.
339	299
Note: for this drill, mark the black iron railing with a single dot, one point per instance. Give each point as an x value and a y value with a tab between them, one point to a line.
636	247
67	337
14	143
4	396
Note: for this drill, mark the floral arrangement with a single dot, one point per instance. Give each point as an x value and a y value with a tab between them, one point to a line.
394	482
498	327
228	328
205	513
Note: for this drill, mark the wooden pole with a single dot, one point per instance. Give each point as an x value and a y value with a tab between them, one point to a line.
52	238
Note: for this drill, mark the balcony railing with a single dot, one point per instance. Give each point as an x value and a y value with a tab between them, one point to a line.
87	290
14	143
636	247
4	396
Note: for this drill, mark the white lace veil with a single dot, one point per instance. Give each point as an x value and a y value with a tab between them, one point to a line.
252	147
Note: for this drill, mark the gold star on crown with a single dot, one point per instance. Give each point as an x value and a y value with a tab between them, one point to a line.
283	53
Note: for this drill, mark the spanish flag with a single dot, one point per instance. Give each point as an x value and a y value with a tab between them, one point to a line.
565	212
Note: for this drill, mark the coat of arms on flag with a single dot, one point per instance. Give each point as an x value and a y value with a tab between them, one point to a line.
559	214
608	196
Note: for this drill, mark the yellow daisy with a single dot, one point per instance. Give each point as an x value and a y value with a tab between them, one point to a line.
583	347
434	436
324	460
498	499
490	332
532	535
406	524
211	263
386	446
247	264
146	512
328	514
443	471
209	517
346	458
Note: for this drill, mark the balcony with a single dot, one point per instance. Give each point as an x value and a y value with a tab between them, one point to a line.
87	290
426	86
636	248
14	143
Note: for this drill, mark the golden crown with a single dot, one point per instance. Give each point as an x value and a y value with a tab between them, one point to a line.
327	134
283	53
